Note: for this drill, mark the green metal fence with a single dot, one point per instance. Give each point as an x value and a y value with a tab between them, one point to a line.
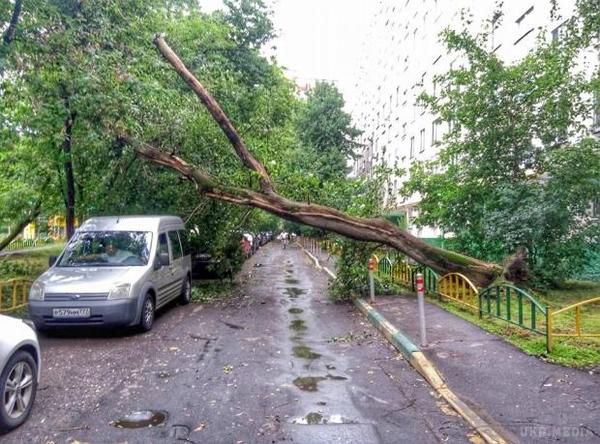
514	305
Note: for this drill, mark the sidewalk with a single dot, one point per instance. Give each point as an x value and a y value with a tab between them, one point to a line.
532	400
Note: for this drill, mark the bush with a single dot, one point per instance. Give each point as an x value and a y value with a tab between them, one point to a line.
352	276
15	269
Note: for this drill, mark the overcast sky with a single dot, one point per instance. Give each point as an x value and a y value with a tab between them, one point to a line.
318	39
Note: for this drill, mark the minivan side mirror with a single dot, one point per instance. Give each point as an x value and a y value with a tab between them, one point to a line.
52	260
163	259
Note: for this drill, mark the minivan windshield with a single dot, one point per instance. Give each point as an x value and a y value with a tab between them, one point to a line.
107	249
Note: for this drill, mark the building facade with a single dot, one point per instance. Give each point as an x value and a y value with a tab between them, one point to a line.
402	56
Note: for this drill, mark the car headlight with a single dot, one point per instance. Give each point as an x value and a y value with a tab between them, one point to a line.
30	323
36	292
122	291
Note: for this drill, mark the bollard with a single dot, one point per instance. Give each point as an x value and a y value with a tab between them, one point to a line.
371	279
421	302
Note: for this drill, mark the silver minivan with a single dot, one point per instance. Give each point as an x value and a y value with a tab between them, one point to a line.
115	271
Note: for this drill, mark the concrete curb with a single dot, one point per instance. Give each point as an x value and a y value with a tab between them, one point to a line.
419	361
312	258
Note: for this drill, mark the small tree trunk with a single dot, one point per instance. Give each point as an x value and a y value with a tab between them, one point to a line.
35	212
69	178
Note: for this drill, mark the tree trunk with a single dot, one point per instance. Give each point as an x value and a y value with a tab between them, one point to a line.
68	170
328	219
35	212
9	34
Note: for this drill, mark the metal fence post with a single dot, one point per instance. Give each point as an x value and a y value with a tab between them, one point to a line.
371	279
421	302
549	328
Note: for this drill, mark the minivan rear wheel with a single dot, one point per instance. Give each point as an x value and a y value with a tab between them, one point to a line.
186	292
18	385
147	317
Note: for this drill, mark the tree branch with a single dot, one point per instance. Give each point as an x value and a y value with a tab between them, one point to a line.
247	159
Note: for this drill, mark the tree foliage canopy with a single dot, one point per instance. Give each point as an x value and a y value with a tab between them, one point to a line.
518	167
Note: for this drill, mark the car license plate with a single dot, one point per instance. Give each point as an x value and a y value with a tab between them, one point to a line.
71	313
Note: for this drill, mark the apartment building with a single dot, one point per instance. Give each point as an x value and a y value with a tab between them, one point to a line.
400	59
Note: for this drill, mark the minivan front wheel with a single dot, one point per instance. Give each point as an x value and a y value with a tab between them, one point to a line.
147	317
186	292
18	384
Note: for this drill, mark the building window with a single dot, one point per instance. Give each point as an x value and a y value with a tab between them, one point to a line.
412	147
596	123
422	140
556	33
436	129
520	20
404	130
520	39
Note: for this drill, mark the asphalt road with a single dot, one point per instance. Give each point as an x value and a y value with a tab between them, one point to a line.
277	362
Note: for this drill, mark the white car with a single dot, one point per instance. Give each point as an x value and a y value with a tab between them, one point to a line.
19	371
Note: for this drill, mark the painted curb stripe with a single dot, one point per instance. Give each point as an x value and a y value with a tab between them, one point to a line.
392	334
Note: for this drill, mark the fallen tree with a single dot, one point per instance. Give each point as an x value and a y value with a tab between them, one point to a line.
326	218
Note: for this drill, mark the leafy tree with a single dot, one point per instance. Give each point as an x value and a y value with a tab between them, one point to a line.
250	21
517	169
81	73
326	133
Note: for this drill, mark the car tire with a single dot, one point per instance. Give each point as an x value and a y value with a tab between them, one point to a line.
186	291
16	404
147	315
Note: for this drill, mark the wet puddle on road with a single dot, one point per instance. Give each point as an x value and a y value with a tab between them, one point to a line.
304	352
234	326
298	325
294	292
316	371
315	418
337	378
140	419
310	383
